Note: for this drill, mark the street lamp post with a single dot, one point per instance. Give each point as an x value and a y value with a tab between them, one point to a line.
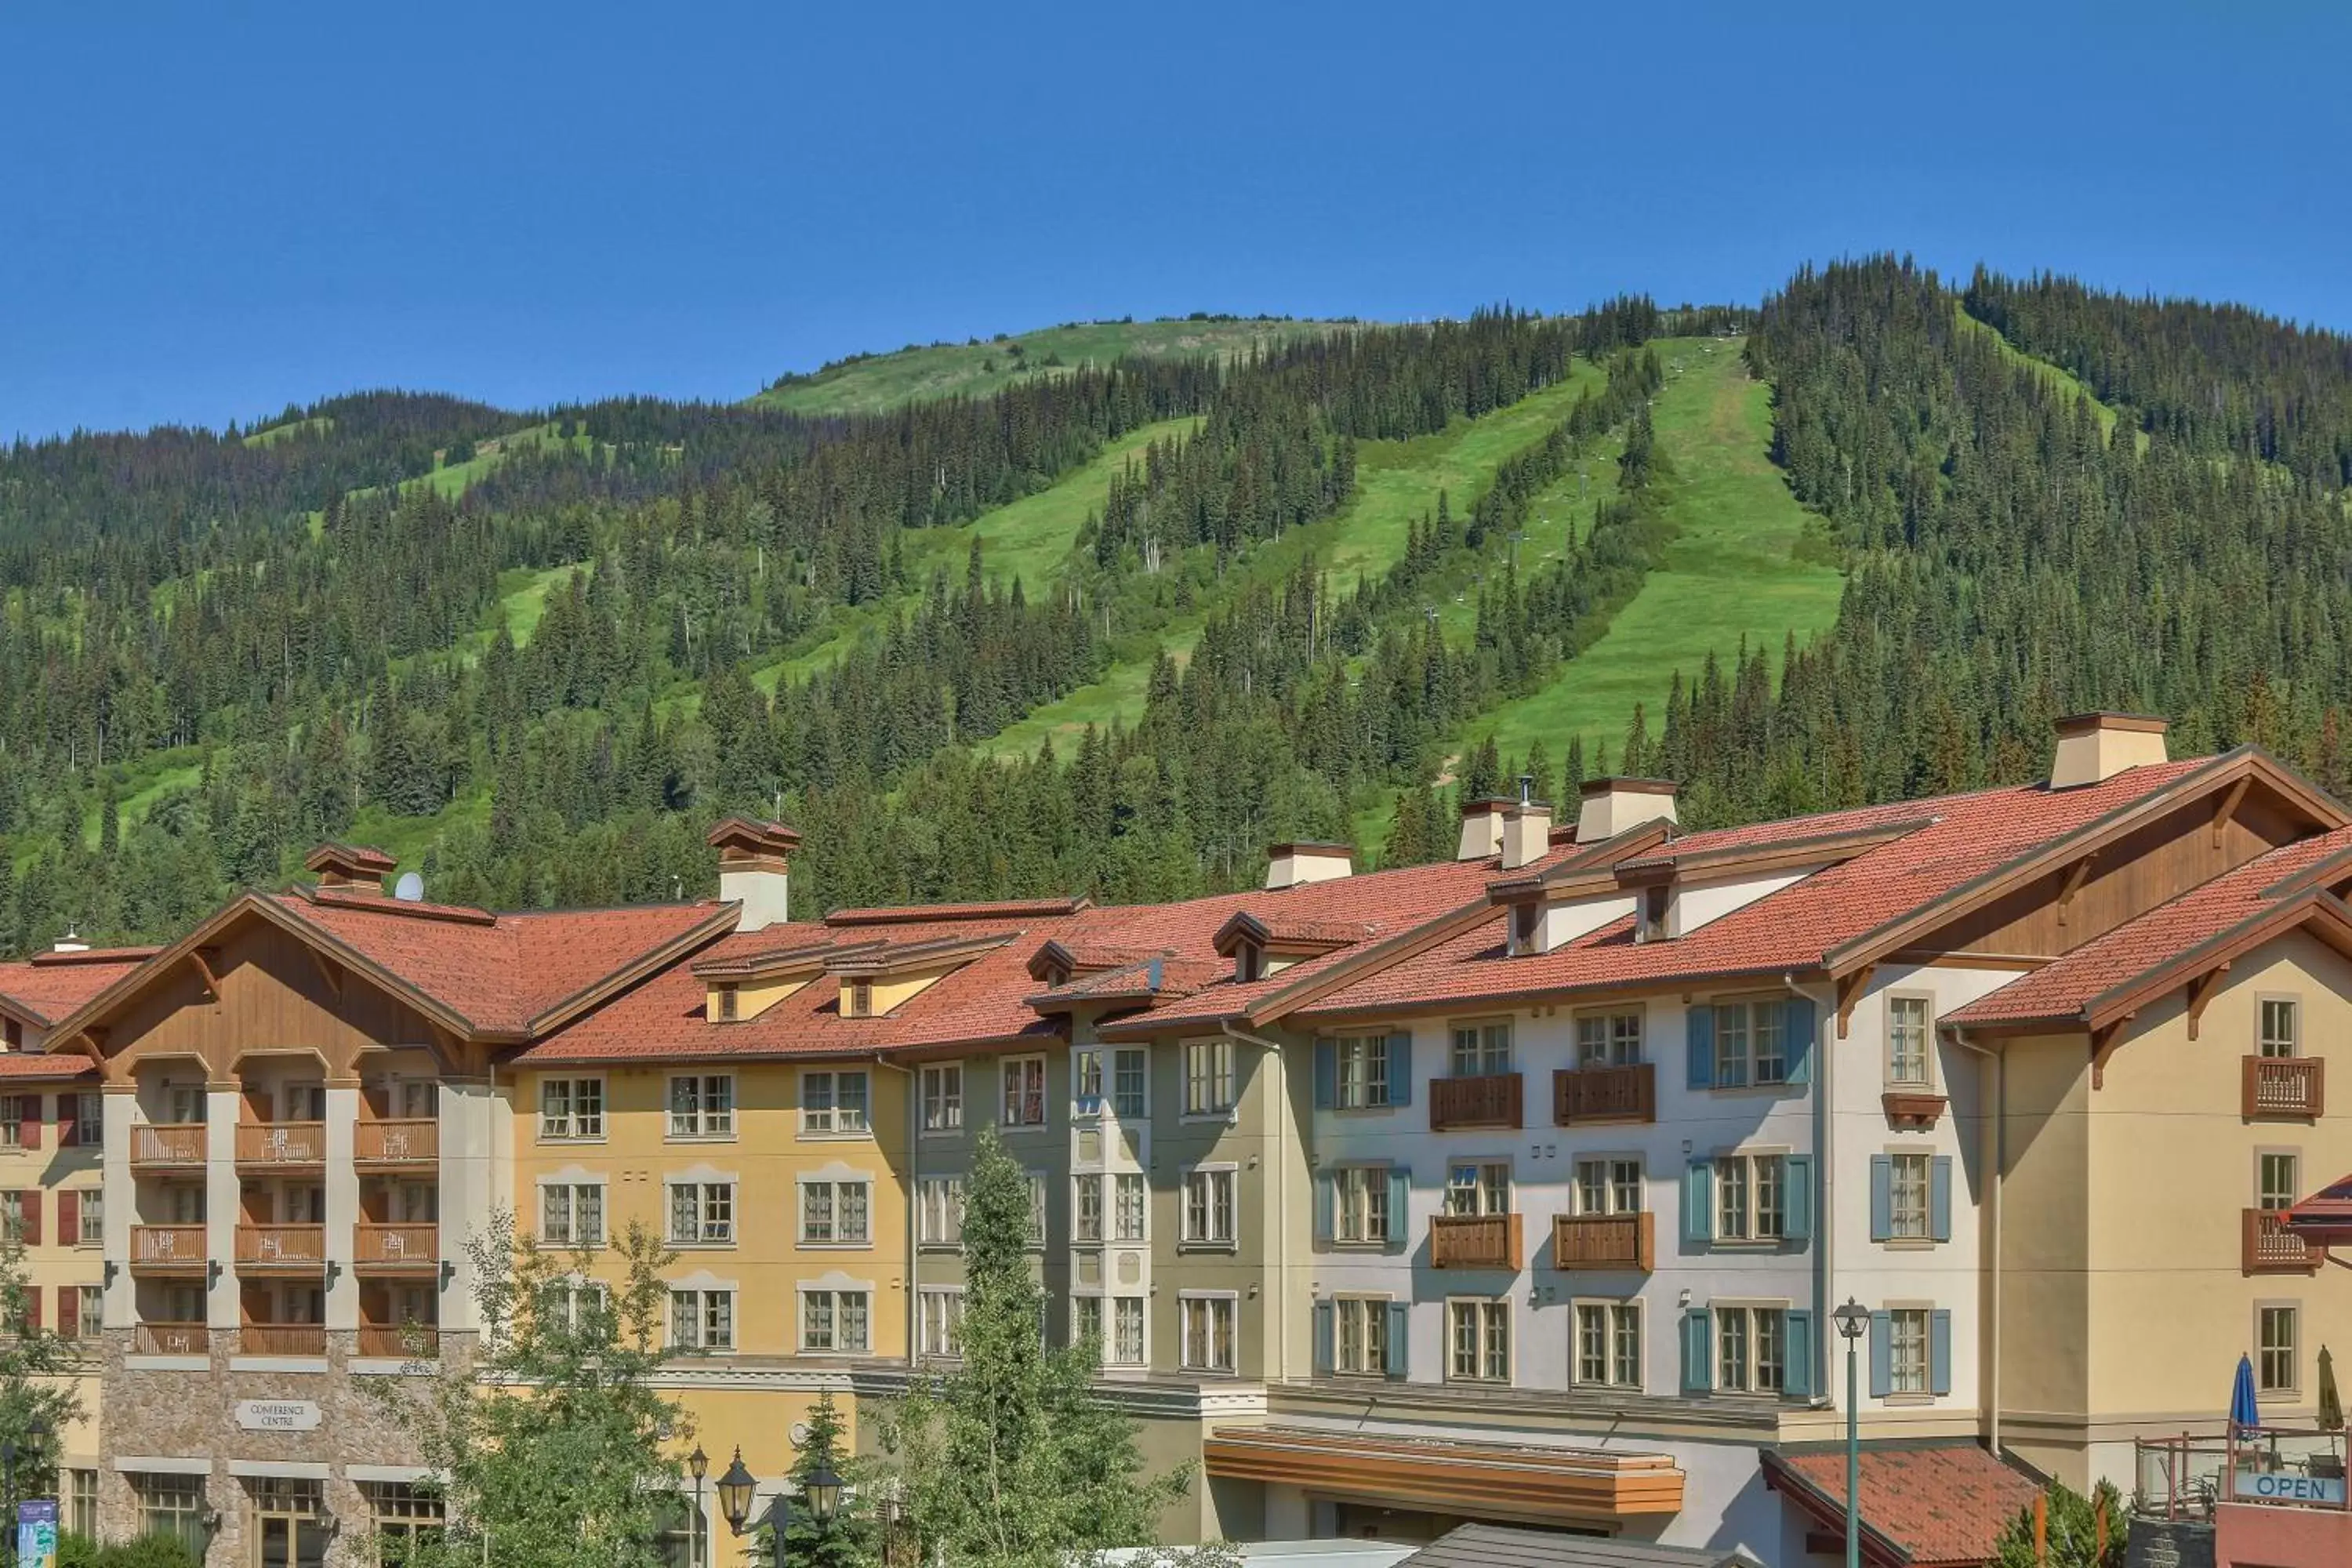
737	1488
1852	1322
698	1464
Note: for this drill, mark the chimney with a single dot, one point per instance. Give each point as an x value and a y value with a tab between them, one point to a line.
2095	747
69	943
1527	828
1288	865
1482	827
1611	806
353	867
754	869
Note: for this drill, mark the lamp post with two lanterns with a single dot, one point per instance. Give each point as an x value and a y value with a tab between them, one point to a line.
1852	1322
820	1493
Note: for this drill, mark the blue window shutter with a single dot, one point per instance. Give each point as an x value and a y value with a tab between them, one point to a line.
1940	1353
1882	1354
1797	1199
1326	1074
1797	1038
1400	1235
1400	1069
1399	1346
1797	1381
1699	1029
1698	1202
1939	1197
1882	1197
1322	1337
1698	1359
1326	1201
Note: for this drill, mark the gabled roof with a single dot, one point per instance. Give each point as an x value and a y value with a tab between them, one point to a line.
1285	932
796	950
1146	980
1001	910
1931	1506
49	986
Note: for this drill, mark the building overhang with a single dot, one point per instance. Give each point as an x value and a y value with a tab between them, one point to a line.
1521	1481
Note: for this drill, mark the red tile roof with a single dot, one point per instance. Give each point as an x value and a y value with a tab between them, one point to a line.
2325	1217
49	986
1937	1507
42	1067
1001	910
2064	988
1144	980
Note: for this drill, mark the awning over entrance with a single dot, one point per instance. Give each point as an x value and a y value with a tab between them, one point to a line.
1518	1480
2325	1219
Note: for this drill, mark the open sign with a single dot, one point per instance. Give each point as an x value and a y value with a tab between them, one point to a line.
2269	1486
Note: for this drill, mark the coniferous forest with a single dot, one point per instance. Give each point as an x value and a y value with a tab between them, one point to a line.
220	648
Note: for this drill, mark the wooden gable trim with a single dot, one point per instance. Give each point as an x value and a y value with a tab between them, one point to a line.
2077	875
2227	809
2200	992
1850	988
201	959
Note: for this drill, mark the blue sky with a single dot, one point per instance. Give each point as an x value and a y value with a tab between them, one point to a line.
209	211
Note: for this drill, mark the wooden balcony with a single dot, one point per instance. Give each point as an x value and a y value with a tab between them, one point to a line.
168	1250
2269	1248
281	1145
1582	1095
283	1338
2289	1089
380	1145
399	1341
1492	1100
281	1248
167	1146
172	1339
1475	1241
396	1249
1603	1241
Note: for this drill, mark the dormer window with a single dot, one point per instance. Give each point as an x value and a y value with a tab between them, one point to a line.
1057	976
1654	899
1249	963
724	997
1526	920
857	999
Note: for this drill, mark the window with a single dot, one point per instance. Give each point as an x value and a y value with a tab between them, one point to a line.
1478	1340
1609	1343
2276	1367
1209	1207
701	1214
1359	1335
1208	1332
1359	1204
1751	1349
90	1222
576	1303
1126	1347
702	1320
938	1210
571	1108
1086	1081
2278	1026
1481	1050
89	1316
1907	1042
1751	1197
835	1321
1087	1209
943	1098
1208	1077
173	1506
571	1214
2276	1182
938	1322
1481	1188
1037	1207
857	1000
1750	1044
1249	963
702	1106
1652	926
12	1118
406	1514
1608	1039
1130	1066
81	1503
1906	1339
1363	1073
90	1124
20	1216
726	997
1527	923
835	1214
1908	1207
1024	1091
1126	1208
834	1102
1608	1186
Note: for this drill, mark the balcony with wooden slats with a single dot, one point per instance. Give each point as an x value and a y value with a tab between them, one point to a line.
264	1147
172	1339
1583	1096
399	1341
283	1338
167	1146
168	1250
2269	1248
1489	1101
1475	1241
385	1145
2284	1089
281	1248
379	1249
1603	1241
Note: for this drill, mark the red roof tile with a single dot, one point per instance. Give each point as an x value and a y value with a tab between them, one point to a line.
1143	980
1939	1507
2325	1217
1003	909
51	985
42	1067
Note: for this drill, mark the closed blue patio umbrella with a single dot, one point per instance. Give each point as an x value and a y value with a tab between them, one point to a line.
2243	1414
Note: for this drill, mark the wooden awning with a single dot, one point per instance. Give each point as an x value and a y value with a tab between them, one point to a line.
1449	1474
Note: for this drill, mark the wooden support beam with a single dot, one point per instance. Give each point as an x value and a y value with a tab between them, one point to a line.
2227	810
1849	991
2102	1046
328	969
2075	876
200	958
2200	990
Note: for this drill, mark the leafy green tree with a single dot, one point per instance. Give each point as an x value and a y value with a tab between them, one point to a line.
38	1402
1012	1459
2073	1530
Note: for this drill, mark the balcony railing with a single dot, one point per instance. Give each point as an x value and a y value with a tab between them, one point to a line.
300	1247
1604	1094
1474	1241
2293	1088
1602	1241
283	1338
406	1142
2269	1248
168	1144
168	1248
383	1248
404	1342
1491	1100
173	1339
281	1143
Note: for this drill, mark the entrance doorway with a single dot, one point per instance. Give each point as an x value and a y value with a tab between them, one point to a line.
290	1523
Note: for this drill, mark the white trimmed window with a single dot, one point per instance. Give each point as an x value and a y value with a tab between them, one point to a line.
1608	1039
1124	1347
1036	1179
1086	1209
1359	1335
1907	1178
1478	1187
1907	1042
938	1320
90	1222
570	1109
701	1214
1751	1349
835	1321
1024	1091
1608	1186
938	1210
833	1103
1751	1197
1907	1341
1750	1043
943	1097
1481	1050
1478	1340
2275	1185
1127	1207
1609	1343
2279	1026
1208	1077
89	1124
702	1105
13	1109
2277	1363
1359	1204
1207	1331
1363	1072
835	1214
1209	1206
571	1214
1129	1083
702	1320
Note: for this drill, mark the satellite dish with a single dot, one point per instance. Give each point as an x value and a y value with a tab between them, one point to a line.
410	888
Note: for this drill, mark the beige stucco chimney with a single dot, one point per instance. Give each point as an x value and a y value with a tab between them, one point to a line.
1288	865
351	865
755	869
1526	833
1482	827
2092	747
1609	806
